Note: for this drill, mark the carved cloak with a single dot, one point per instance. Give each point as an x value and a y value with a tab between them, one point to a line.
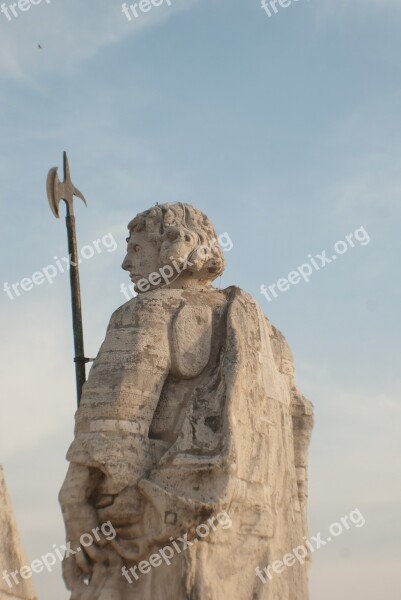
238	443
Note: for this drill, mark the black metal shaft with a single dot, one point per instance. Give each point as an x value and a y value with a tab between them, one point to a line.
79	359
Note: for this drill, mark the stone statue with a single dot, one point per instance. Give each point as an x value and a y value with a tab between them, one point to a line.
191	439
16	576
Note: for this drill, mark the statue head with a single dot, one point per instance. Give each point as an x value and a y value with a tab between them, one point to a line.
172	244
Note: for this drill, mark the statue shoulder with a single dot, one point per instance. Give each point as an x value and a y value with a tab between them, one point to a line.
121	313
144	307
235	293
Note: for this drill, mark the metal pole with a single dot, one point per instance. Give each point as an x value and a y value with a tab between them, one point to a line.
57	191
76	305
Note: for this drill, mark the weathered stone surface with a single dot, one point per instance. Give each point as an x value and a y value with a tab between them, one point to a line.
12	556
190	421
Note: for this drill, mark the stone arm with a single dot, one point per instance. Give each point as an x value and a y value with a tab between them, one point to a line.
111	450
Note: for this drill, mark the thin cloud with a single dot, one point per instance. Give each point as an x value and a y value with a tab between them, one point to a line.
69	33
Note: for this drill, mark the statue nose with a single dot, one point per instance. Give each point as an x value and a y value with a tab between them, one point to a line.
126	264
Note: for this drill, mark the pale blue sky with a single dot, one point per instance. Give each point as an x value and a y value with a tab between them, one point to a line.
286	132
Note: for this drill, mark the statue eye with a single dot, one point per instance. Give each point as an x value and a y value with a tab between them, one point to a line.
136	248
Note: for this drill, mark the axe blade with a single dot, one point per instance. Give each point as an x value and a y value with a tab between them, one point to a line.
53	183
79	194
57	190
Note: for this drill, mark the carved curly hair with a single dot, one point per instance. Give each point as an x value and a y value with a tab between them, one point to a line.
183	232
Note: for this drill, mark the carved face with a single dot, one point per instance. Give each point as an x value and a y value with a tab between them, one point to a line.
143	256
172	245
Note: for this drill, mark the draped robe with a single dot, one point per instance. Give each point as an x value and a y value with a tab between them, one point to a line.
191	403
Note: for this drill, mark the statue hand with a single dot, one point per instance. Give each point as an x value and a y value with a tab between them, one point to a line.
78	563
123	510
